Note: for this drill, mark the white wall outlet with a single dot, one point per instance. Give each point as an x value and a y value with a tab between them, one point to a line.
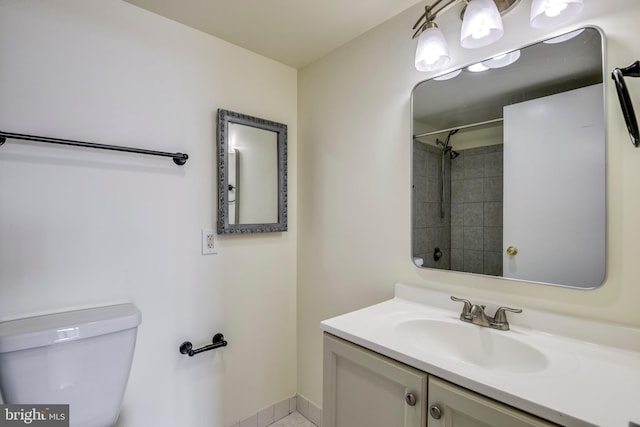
209	242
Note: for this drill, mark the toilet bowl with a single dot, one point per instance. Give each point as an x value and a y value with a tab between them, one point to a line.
81	358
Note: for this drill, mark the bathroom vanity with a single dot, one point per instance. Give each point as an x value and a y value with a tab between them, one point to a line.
411	361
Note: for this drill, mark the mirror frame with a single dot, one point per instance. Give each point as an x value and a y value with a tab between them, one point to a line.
603	52
224	118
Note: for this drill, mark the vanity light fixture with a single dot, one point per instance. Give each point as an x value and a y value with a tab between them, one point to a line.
481	25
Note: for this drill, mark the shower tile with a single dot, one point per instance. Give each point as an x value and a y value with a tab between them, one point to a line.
457	237
494	148
457	214
493	263
493	239
473	238
432	187
473	190
432	215
419	189
437	236
457	168
420	215
419	162
493	189
473	261
433	167
473	166
493	164
457	259
493	214
473	214
420	240
457	191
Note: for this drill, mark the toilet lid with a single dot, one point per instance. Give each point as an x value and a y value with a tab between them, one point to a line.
54	328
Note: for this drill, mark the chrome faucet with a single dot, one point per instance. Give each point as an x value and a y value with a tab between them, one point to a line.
474	313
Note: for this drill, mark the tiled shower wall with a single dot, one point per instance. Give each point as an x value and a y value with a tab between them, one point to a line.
476	210
430	231
470	234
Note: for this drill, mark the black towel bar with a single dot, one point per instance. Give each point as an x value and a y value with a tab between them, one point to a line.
618	75
217	341
178	158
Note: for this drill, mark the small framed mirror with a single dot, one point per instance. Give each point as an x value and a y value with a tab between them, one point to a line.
252	174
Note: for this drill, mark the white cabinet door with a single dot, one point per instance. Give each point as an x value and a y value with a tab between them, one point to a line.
453	406
364	389
554	188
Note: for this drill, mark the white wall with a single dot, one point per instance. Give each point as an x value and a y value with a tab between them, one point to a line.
354	181
82	228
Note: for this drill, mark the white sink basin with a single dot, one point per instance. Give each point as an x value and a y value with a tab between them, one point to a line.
472	344
560	368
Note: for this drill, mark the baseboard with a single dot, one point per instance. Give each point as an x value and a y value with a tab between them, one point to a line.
279	410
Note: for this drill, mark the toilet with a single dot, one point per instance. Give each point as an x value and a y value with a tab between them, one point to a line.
81	358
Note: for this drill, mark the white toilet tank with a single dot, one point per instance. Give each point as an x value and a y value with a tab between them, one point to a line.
81	358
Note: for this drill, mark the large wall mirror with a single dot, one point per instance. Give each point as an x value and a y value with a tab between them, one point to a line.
509	165
252	174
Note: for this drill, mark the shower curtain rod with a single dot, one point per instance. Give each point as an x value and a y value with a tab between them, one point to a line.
178	158
486	122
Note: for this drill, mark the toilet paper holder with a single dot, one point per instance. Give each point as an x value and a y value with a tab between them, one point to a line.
216	342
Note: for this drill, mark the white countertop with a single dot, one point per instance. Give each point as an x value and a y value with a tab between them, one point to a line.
593	371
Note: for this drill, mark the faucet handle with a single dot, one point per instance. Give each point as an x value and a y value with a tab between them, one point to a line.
500	318
466	309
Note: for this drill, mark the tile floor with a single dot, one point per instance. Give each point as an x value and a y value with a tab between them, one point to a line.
293	420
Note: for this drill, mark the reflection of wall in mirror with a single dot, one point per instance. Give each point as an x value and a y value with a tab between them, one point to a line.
257	202
234	189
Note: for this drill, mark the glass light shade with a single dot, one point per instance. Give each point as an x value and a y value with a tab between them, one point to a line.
481	24
564	37
432	51
502	60
477	68
549	13
448	76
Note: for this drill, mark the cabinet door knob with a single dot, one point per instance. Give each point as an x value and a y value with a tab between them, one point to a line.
410	398
435	412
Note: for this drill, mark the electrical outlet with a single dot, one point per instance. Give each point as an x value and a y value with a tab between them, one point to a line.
209	242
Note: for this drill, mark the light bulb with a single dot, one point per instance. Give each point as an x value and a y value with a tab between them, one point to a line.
553	10
481	24
481	32
432	51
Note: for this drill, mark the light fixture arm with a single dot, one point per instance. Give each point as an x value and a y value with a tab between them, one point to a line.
429	15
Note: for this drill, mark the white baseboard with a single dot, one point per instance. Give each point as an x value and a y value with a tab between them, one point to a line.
279	410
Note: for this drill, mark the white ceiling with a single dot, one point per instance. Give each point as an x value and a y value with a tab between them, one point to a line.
294	32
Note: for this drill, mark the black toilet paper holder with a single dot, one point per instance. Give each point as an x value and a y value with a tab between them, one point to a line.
216	342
